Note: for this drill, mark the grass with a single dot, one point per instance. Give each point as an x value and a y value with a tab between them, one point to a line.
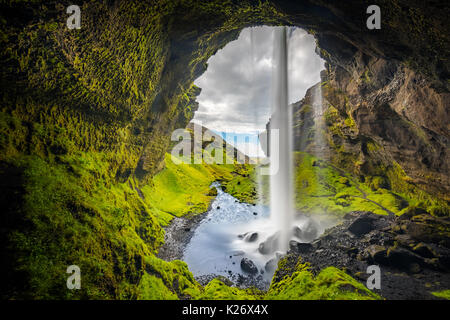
322	188
182	189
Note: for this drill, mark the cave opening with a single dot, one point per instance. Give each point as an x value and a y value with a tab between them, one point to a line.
86	122
240	241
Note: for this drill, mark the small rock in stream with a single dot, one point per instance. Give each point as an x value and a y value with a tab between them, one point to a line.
251	237
270	244
248	266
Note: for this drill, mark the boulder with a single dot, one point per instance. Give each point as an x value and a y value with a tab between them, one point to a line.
271	265
377	253
361	226
270	245
401	258
251	237
297	232
300	247
424	250
310	231
248	266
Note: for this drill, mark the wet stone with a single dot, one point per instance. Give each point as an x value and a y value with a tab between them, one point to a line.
361	226
251	237
271	265
269	245
297	232
248	266
300	247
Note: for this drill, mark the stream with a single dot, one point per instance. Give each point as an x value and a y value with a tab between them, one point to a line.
231	231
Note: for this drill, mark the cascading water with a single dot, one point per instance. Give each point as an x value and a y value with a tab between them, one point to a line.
320	146
245	241
281	180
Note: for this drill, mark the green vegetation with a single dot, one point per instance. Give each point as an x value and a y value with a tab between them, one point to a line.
330	284
323	188
182	189
110	230
445	294
85	123
375	182
218	290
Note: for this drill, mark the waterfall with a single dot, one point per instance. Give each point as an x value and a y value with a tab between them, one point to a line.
259	182
281	182
320	146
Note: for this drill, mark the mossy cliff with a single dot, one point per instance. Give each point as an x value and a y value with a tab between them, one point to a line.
371	152
86	117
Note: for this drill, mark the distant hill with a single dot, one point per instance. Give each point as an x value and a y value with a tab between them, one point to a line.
208	137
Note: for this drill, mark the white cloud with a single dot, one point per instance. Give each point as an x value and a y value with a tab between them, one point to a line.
236	87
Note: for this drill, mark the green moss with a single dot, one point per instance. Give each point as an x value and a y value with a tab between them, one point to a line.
330	284
153	288
181	189
377	182
217	290
402	185
85	121
445	294
323	188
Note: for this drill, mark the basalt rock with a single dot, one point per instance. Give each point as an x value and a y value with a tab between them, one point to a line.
361	226
300	247
409	267
248	266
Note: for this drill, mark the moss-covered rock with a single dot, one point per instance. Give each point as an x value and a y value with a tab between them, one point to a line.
330	284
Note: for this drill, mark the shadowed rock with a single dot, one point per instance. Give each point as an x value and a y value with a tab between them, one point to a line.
377	253
361	226
248	266
300	247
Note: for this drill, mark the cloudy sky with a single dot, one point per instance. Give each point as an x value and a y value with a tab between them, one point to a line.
236	87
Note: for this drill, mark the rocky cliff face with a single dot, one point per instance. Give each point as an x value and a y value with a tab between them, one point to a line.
380	124
401	113
132	65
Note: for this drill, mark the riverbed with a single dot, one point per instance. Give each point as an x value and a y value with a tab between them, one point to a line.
215	243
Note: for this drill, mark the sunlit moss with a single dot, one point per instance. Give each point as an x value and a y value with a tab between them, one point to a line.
217	290
330	284
445	294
